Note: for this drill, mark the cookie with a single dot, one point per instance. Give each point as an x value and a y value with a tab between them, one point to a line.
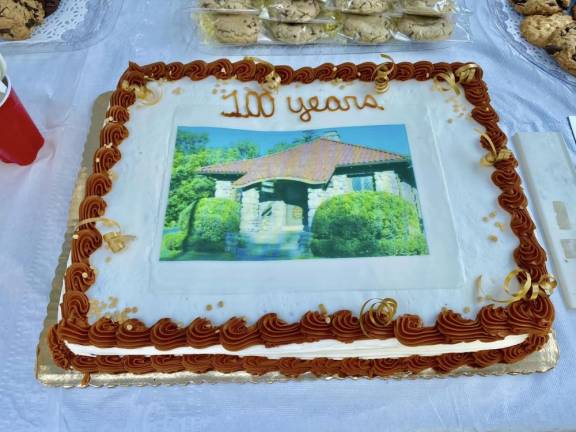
425	28
540	7
561	39
236	28
50	6
567	59
367	28
18	18
364	6
294	10
429	7
297	33
537	29
227	4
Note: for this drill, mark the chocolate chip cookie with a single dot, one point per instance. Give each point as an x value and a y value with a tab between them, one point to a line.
537	29
364	6
367	28
561	39
297	33
567	59
428	7
425	28
540	7
227	4
19	17
241	29
294	10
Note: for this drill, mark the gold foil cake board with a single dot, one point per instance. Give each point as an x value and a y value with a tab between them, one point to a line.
51	375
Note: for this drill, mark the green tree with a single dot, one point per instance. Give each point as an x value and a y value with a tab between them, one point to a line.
367	224
189	142
213	218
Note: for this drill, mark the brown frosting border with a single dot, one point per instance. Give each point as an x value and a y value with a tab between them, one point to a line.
492	323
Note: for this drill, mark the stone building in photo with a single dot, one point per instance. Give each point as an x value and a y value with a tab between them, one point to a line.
281	192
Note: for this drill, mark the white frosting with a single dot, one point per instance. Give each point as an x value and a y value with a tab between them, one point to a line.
446	153
365	349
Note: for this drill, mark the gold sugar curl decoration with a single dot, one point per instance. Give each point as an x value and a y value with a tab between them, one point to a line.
381	308
272	81
493	156
546	285
449	80
382	74
116	241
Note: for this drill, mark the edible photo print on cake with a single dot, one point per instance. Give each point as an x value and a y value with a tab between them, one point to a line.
244	195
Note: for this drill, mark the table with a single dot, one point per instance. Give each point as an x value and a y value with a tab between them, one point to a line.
59	90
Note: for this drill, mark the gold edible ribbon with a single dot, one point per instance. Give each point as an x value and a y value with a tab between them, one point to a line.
448	81
272	81
547	284
493	155
115	240
382	74
378	308
466	73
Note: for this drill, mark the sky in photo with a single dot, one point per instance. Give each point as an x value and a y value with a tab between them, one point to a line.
392	138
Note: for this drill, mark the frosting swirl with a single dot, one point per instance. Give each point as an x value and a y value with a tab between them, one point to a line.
196	70
356	367
79	277
166	335
105	158
103	333
98	184
486	358
197	363
325	72
92	206
133	333
201	334
166	364
75	306
387	367
235	335
84	243
315	326
85	364
118	114
448	362
174	71
226	363
457	329
274	331
137	364
366	71
416	364
258	365
122	98
110	364
346	327
113	133
494	320
60	353
409	331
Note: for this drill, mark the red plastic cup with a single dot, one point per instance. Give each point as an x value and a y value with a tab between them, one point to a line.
20	139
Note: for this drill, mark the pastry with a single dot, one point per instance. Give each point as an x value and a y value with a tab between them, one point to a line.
537	29
230	300
428	7
294	10
18	18
367	28
226	4
236	28
561	39
294	33
425	28
567	59
540	7
363	6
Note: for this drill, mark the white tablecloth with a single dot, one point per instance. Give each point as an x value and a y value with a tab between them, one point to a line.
59	90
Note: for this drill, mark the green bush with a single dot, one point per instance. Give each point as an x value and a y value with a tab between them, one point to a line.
367	224
172	244
213	218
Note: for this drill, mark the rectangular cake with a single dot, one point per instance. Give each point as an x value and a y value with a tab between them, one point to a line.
343	220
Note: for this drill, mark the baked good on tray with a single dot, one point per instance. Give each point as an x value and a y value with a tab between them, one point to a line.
19	18
339	220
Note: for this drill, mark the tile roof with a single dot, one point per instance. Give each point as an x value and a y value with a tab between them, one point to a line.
313	163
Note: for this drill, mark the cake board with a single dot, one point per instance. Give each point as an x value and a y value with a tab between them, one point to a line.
51	375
